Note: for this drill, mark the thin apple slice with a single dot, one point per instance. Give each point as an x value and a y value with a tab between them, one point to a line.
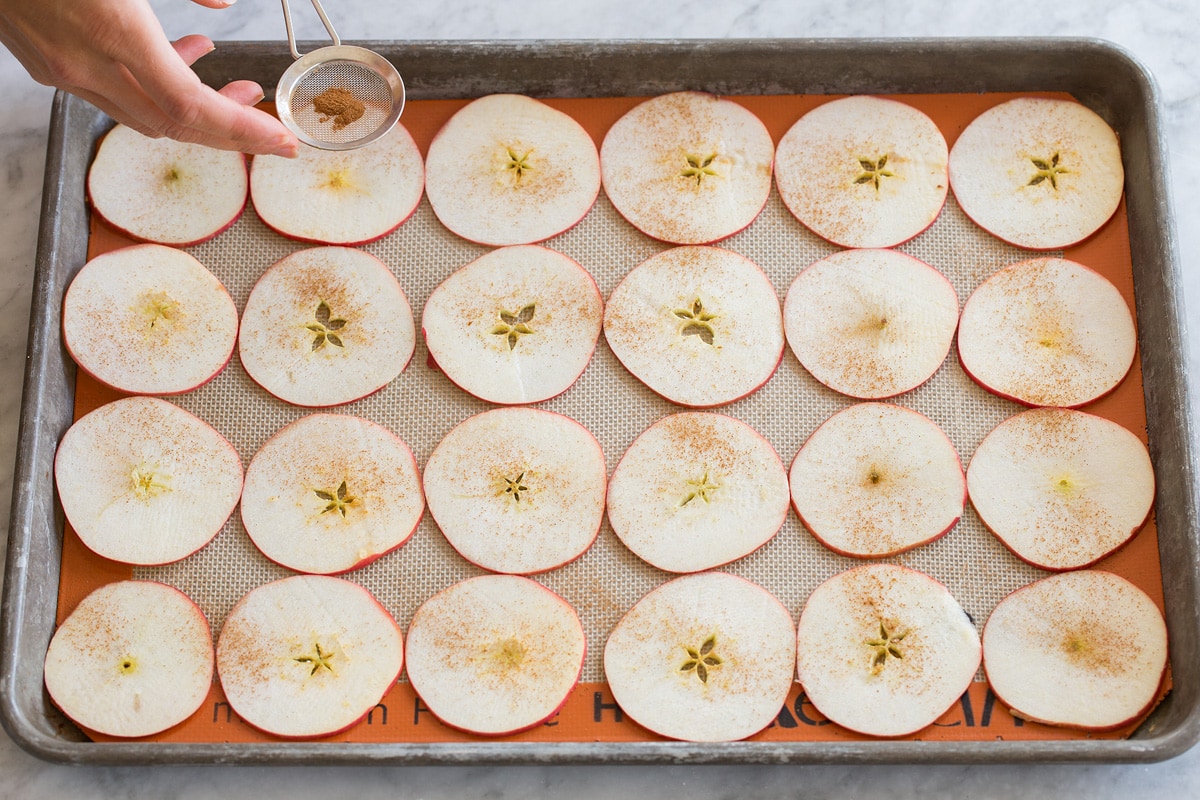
704	658
870	324
495	655
688	167
517	490
697	490
346	197
331	493
517	325
877	479
701	326
165	191
149	319
508	169
133	659
863	171
885	650
308	656
144	482
1047	332
1038	173
1060	488
326	326
1083	649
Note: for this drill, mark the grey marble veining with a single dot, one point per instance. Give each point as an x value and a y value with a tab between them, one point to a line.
1160	33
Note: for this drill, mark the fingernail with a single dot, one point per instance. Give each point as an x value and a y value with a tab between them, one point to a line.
289	150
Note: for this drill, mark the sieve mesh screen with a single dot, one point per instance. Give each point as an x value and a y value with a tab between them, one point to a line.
364	84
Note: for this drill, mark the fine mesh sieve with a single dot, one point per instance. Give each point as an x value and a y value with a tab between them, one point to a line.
337	97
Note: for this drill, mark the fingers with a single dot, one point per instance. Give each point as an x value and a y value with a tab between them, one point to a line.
193	47
196	111
245	93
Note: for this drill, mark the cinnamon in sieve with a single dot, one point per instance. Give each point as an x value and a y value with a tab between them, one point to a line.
338	104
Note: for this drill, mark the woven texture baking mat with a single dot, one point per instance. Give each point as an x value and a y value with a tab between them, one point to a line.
421	405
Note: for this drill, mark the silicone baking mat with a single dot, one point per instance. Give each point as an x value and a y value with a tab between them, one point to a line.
421	405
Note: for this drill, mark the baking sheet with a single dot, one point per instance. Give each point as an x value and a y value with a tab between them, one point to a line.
757	66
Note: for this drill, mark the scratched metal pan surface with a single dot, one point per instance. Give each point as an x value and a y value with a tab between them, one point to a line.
1098	74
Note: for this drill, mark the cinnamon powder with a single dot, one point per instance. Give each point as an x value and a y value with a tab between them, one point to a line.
339	105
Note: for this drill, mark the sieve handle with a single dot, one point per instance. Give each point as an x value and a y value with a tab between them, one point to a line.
287	21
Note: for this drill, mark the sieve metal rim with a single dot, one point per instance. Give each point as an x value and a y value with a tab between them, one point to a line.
303	66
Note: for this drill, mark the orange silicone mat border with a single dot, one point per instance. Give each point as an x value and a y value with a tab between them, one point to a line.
590	714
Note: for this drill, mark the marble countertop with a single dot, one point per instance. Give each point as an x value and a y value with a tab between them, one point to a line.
1159	33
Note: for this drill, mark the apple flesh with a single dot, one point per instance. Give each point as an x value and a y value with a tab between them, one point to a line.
1047	332
870	324
133	659
144	482
700	326
495	655
1038	173
308	656
326	326
164	191
517	325
688	167
704	658
697	490
517	490
331	493
340	197
1060	488
884	650
507	169
1084	649
149	319
863	171
876	479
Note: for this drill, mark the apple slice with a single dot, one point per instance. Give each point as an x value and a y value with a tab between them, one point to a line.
517	490
704	658
863	171
697	490
688	167
877	479
326	326
1060	488
348	197
495	655
884	650
1038	173
1047	332
161	190
331	493
701	326
517	325
870	323
149	319
508	169
133	659
144	482
308	656
1084	649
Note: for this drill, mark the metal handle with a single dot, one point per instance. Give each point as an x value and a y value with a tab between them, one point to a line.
287	21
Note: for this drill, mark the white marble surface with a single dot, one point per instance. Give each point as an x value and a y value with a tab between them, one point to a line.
1160	33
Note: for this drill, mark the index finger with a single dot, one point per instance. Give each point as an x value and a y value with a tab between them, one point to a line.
190	105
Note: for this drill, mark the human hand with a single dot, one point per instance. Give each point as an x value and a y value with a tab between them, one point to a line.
114	54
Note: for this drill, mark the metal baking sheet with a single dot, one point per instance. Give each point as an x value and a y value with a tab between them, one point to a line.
1098	74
